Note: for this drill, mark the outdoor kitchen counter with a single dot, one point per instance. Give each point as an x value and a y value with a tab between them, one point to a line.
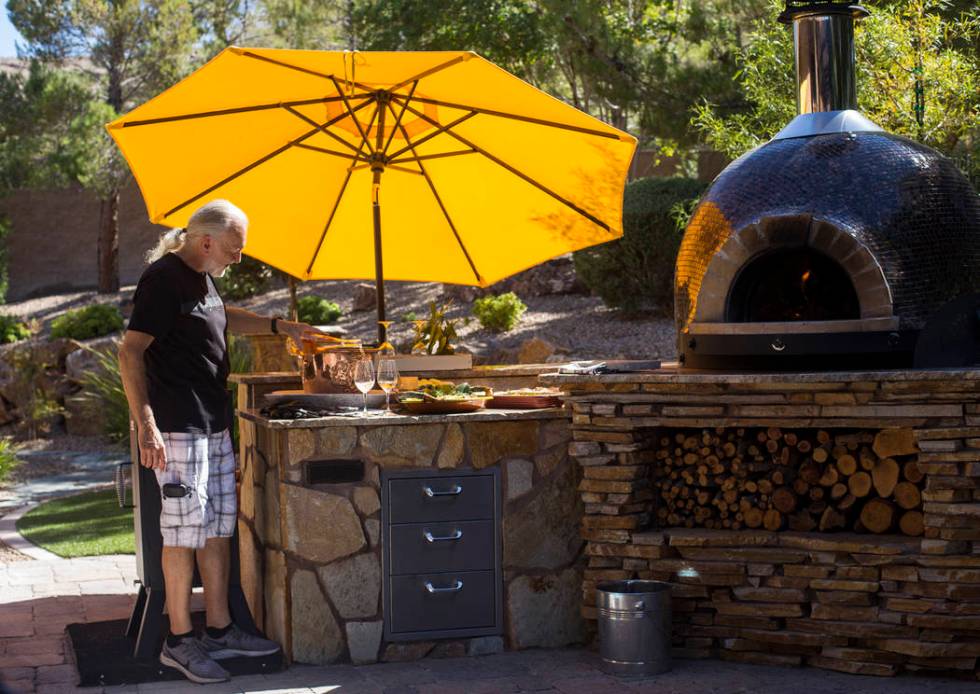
375	418
311	537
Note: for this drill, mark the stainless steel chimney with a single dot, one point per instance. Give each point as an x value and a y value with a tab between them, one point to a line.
826	92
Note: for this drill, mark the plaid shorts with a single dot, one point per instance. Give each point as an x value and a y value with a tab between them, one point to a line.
206	464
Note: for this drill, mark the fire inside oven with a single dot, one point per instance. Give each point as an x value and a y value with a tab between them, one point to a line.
797	284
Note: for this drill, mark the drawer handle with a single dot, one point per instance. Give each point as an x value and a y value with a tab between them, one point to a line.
432	538
455	490
455	588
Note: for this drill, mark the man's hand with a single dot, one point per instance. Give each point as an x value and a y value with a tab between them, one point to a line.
295	330
152	452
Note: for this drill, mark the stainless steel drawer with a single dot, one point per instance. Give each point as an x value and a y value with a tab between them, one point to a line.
430	547
443	498
444	601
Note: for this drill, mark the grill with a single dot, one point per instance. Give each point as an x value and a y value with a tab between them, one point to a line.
835	244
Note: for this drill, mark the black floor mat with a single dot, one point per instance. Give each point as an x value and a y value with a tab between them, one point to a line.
104	656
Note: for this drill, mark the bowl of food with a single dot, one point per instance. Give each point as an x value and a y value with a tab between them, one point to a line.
433	396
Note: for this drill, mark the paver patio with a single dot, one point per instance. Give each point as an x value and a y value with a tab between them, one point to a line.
38	598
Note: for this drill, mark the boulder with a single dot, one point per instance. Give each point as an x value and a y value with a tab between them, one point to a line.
365	297
82	361
539	351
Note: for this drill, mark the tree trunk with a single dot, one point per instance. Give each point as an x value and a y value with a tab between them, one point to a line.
108	246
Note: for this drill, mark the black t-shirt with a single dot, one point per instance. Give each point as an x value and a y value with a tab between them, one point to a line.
187	362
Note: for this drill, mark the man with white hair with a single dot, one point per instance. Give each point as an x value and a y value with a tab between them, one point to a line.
174	365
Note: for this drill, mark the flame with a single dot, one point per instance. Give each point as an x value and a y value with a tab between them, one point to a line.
806	276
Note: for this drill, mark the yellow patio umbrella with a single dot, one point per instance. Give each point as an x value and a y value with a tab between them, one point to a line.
479	175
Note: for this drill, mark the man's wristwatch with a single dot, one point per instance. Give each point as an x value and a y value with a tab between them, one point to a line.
275	325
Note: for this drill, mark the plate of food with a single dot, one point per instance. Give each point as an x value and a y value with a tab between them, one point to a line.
433	396
526	399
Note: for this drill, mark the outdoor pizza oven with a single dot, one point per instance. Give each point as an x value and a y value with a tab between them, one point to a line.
835	244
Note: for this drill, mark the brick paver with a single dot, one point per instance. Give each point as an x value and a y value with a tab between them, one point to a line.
39	598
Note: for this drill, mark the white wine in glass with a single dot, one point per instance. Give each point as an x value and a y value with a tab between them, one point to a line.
364	378
387	379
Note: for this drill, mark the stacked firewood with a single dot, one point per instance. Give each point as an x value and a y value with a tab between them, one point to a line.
805	480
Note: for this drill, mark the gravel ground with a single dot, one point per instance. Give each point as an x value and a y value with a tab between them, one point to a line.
579	324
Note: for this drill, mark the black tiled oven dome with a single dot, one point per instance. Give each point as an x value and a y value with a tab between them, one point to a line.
899	205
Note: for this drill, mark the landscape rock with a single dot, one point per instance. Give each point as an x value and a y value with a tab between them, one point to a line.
82	361
535	351
365	297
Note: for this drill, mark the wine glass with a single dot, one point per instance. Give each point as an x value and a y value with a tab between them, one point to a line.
364	378
387	379
386	349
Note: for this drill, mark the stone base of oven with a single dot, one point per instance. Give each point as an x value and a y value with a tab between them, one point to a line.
871	604
855	603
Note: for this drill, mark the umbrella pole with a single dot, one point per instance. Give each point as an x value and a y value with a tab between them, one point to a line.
378	264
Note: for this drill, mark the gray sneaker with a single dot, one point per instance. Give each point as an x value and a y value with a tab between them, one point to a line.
237	642
190	658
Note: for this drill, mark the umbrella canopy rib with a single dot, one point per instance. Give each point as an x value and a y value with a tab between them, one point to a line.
398	118
353	117
232	111
324	128
432	71
445	212
276	152
438	131
425	157
333	212
513	116
290	66
324	150
517	172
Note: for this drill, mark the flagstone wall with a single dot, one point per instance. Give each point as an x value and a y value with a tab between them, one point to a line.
855	602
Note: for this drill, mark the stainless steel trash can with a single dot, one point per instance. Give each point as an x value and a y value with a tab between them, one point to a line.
634	627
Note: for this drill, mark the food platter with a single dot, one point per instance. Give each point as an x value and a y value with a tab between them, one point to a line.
442	406
433	396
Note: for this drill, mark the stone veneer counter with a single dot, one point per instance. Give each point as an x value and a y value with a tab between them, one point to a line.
311	564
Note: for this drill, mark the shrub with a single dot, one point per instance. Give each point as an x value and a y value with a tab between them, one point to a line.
8	457
103	387
12	330
84	323
636	272
244	280
316	311
499	313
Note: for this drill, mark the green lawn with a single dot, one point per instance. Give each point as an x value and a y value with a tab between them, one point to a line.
81	526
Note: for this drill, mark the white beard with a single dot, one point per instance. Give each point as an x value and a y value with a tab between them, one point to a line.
221	272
